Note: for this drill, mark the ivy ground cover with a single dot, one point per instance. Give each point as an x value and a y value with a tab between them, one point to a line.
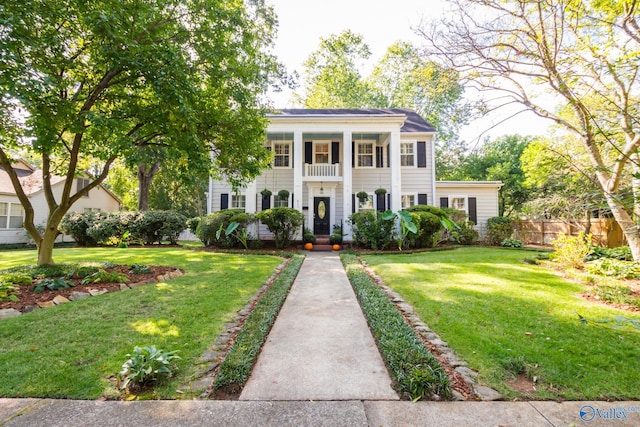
508	318
72	350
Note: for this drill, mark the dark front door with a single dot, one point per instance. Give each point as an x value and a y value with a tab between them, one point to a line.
321	215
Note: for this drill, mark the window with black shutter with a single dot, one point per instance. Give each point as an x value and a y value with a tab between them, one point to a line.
308	152
379	159
224	201
266	202
444	202
380	202
335	152
422	199
473	210
422	154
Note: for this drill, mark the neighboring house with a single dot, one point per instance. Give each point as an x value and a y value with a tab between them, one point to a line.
325	157
12	212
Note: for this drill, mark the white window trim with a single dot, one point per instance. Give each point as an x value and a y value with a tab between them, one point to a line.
415	154
328	144
237	197
373	154
371	199
460	196
276	198
9	215
415	199
272	145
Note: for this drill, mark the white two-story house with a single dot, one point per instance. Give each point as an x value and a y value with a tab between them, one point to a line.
325	158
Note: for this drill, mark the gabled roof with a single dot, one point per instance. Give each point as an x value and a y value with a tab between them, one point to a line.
412	124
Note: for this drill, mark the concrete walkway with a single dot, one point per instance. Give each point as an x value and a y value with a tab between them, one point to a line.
320	347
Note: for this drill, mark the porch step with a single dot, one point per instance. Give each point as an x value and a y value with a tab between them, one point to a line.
326	247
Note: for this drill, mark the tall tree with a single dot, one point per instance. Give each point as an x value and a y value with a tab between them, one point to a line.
332	74
585	53
97	80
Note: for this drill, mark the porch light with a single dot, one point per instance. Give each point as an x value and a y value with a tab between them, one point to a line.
321	188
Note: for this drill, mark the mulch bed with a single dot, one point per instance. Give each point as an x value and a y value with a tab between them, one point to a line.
28	298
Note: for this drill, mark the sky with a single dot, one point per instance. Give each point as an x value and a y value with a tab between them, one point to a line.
381	23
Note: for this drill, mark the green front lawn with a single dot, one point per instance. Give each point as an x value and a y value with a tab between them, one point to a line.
71	351
498	313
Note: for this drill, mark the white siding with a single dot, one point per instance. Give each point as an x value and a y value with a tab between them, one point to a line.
486	195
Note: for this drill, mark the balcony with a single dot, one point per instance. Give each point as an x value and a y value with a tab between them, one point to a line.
322	172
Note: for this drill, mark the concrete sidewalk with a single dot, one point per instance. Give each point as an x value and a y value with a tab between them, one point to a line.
320	346
82	413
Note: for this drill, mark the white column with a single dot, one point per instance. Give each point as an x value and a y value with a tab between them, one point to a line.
210	194
432	147
297	172
347	177
250	198
396	176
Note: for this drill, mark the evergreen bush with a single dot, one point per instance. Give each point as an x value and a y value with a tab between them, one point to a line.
283	223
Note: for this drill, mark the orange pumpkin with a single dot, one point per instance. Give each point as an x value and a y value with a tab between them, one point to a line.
336	247
308	246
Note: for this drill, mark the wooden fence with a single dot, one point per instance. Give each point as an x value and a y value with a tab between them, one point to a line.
605	231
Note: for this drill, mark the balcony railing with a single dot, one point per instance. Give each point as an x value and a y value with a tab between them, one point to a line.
322	171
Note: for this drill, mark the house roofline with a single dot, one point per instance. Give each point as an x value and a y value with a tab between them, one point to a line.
491	184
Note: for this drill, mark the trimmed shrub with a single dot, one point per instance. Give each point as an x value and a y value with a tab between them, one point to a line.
77	224
511	243
499	228
371	231
109	225
283	223
429	222
466	234
308	236
154	226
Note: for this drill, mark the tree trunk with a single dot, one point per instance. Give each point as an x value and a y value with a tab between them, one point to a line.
145	176
627	224
45	247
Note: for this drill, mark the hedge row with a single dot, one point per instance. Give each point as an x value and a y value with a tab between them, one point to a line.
111	228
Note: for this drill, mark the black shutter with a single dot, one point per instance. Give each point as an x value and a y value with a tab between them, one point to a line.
379	159
353	203
224	201
269	149
422	199
266	202
388	155
335	152
473	210
389	200
353	154
308	152
422	154
380	199
292	200
444	202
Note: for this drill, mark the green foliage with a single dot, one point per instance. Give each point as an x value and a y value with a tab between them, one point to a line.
511	243
308	236
77	225
407	225
97	81
499	228
52	284
155	226
571	251
140	269
335	238
283	223
413	367
430	221
242	355
7	291
622	253
371	230
614	268
192	223
16	278
465	233
619	294
362	195
102	276
84	271
146	365
211	229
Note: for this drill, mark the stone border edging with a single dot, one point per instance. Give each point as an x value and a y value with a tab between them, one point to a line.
427	335
7	313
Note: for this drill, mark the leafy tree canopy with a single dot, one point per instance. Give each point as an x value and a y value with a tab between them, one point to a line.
85	83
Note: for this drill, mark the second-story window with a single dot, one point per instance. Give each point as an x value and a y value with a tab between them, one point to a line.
321	153
82	183
365	155
407	154
282	154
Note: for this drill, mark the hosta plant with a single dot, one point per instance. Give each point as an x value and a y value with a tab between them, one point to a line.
146	365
